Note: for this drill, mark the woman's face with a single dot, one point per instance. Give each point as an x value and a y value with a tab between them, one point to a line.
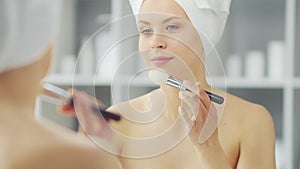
167	38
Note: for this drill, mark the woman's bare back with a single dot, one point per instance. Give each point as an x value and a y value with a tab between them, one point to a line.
45	145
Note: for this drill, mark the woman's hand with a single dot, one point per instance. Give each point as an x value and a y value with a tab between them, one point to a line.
201	115
198	113
92	123
83	107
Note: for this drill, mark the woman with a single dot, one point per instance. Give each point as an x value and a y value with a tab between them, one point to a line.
25	57
244	137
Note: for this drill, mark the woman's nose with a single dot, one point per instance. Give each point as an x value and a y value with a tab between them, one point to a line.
158	42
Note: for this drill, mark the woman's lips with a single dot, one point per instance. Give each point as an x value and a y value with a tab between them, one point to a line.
161	60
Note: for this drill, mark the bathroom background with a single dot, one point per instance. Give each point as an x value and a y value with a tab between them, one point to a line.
259	53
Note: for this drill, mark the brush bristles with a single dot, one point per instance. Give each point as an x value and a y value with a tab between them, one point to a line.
159	77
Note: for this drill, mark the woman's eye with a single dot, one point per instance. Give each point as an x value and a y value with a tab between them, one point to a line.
172	27
146	31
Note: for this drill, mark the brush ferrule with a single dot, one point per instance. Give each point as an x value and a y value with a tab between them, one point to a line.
175	83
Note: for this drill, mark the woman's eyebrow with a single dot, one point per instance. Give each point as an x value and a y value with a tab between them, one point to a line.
164	21
143	22
171	18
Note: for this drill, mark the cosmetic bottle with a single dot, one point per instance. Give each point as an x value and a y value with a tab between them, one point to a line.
86	58
234	66
275	53
254	64
67	65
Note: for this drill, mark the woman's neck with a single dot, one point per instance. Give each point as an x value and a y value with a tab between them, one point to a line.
172	97
17	95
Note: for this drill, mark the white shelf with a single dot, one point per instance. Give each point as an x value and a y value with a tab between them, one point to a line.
297	83
77	80
247	83
88	80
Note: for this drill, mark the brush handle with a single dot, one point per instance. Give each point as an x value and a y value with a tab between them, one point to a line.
106	114
171	81
215	98
53	91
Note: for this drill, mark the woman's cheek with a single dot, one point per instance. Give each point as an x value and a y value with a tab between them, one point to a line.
141	44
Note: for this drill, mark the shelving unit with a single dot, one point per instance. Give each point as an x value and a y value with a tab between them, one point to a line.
251	26
296	89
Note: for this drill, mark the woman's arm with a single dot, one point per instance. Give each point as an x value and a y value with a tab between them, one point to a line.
257	149
212	155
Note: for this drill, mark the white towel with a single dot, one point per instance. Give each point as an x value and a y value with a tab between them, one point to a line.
208	16
26	29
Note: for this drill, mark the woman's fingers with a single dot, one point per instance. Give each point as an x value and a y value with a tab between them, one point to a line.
188	122
196	104
204	97
196	88
200	105
66	109
92	123
82	106
191	99
191	86
210	125
68	106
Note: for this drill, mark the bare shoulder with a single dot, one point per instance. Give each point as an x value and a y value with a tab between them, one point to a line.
253	123
53	146
249	126
138	103
134	106
249	114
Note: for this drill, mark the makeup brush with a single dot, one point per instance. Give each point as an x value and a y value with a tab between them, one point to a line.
161	77
53	91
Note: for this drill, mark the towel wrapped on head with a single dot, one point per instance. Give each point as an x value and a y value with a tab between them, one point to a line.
208	17
26	30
